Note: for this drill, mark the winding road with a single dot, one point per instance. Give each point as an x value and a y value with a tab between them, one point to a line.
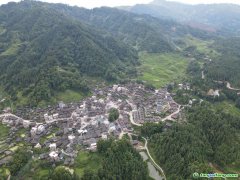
229	87
146	142
149	155
132	121
170	116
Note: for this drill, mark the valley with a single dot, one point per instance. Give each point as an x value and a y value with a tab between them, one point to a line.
117	93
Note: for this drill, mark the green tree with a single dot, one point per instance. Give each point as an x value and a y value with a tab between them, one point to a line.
113	114
20	159
61	173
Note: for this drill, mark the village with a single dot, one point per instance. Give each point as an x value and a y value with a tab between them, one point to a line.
58	131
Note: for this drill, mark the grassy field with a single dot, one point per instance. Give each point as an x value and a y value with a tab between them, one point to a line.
87	161
69	96
160	69
66	96
202	46
13	49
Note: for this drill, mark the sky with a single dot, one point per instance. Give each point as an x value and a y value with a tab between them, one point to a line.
112	3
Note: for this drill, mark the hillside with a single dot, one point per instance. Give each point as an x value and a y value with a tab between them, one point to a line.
223	18
43	51
143	32
137	31
48	49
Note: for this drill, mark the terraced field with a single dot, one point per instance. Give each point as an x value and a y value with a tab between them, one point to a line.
160	69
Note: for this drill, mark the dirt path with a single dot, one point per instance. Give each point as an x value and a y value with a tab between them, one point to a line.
229	87
203	75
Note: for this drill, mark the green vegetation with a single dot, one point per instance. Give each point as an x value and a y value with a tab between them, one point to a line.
227	107
209	136
44	53
226	66
61	173
3	131
42	170
121	161
12	50
4	173
202	46
148	129
148	34
118	160
113	114
160	69
20	159
2	30
87	161
69	96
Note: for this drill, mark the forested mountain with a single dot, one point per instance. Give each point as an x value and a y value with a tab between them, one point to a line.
43	51
224	18
132	29
143	32
226	66
47	48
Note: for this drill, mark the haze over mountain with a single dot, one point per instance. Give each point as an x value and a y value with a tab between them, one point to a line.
213	17
115	3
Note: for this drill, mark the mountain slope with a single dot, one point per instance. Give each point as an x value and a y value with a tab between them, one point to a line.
43	51
224	18
130	28
143	32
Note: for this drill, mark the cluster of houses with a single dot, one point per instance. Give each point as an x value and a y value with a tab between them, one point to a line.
59	130
152	106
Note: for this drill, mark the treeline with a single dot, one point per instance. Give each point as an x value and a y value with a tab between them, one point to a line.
208	136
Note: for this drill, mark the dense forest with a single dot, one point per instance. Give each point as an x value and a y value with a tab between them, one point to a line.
208	137
226	66
44	51
120	161
143	32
